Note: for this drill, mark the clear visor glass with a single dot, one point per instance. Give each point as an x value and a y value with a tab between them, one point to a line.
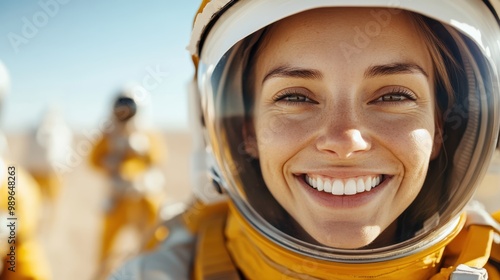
356	159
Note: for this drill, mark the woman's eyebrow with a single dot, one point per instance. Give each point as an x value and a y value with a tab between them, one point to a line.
292	72
394	68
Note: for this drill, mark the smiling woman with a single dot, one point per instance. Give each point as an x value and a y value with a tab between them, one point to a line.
347	151
348	139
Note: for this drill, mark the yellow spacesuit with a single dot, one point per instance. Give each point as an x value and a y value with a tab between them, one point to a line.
22	255
346	138
129	155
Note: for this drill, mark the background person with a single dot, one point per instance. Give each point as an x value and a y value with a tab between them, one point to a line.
128	154
49	145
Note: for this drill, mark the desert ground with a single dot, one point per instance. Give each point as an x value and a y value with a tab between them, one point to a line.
70	236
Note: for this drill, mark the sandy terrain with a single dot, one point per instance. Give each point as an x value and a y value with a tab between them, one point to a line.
71	238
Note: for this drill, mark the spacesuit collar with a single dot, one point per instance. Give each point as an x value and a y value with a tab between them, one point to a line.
256	255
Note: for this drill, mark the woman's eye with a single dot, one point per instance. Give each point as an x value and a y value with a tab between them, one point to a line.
293	97
397	95
393	97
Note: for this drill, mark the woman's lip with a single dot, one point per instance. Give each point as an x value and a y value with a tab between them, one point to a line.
343	201
339	174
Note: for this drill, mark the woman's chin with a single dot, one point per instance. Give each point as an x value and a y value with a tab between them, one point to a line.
346	240
347	244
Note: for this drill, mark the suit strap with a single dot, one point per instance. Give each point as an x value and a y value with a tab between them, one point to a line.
212	260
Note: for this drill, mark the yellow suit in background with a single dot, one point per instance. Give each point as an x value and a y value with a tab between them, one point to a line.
129	157
26	252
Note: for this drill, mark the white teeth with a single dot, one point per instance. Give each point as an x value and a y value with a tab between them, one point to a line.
319	184
327	186
360	185
311	181
348	186
368	184
338	187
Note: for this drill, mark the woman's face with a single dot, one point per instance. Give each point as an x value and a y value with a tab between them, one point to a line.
344	120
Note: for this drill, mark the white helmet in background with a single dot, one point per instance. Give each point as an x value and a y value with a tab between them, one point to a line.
50	142
225	34
4	81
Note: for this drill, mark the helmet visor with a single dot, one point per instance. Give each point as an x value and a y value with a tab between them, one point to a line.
351	133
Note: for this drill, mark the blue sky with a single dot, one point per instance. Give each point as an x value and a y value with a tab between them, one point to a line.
76	55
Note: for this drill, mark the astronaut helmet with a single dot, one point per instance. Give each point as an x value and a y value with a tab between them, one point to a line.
252	117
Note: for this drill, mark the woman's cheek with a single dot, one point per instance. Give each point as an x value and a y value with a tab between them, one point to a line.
423	140
279	131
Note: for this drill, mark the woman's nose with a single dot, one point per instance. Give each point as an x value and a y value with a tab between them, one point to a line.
344	139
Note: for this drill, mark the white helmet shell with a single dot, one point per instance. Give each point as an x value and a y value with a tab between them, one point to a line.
225	30
4	81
